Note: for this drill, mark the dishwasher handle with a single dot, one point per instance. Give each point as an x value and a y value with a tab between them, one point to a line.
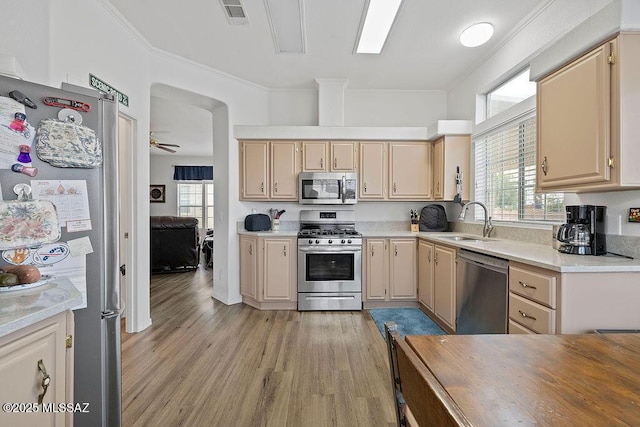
497	264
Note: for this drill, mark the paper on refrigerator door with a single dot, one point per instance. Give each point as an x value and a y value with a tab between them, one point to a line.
71	200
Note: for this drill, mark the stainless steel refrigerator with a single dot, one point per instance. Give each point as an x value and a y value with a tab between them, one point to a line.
96	341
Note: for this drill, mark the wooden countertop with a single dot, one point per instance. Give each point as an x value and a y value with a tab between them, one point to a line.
551	380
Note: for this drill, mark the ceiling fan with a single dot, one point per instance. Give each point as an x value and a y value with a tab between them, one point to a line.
153	142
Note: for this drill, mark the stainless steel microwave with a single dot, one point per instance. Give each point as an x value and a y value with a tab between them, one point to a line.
327	188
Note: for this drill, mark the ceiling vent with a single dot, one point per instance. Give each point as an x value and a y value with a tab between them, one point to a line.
234	10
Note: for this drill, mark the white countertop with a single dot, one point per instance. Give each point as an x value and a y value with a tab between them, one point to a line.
527	253
22	308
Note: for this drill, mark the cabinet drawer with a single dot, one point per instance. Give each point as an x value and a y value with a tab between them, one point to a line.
516	328
534	316
533	285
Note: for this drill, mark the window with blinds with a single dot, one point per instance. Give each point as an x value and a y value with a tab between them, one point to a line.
195	199
505	172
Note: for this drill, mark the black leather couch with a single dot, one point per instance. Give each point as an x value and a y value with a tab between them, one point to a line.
175	245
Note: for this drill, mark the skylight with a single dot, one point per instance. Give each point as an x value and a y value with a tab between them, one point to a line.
379	17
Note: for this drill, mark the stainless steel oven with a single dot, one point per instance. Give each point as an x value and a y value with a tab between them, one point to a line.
327	188
329	263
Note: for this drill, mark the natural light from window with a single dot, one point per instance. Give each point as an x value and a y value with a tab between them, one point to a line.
505	158
510	93
196	200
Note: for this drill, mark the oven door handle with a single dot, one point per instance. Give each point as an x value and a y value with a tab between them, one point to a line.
324	250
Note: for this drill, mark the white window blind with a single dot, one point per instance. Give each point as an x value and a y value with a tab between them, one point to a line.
505	172
196	200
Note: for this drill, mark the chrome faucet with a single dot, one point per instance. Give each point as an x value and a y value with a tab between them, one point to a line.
488	227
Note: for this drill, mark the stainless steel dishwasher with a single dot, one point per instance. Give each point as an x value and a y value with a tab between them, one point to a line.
481	294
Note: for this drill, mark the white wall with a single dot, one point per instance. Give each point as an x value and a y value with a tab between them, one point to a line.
361	107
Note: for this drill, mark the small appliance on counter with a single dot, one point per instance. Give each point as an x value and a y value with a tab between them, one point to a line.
584	232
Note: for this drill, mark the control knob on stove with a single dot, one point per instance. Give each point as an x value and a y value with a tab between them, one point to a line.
342	241
330	241
310	241
349	241
317	241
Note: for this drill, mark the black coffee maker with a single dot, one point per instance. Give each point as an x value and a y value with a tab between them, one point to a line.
584	232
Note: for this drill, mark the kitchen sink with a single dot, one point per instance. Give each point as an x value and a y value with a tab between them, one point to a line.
467	239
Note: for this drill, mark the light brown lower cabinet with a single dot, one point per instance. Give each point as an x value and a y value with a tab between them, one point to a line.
389	270
425	273
27	358
268	272
444	285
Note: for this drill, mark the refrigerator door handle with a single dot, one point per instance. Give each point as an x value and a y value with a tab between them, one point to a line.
111	232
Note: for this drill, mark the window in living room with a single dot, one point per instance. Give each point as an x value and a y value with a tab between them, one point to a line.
195	199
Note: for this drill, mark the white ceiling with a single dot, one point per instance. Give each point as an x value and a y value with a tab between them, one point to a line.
421	53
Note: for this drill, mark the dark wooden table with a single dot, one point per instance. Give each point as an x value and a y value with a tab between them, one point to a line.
550	380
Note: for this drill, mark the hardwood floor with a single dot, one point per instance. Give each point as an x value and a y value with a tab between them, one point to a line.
202	363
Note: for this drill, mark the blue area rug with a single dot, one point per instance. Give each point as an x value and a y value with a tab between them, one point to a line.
410	321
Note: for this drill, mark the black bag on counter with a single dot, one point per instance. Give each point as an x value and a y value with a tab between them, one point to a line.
433	218
257	222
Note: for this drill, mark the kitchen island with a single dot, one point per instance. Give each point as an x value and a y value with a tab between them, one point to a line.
506	380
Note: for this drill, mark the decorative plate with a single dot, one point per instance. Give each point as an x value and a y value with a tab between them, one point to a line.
28	223
44	279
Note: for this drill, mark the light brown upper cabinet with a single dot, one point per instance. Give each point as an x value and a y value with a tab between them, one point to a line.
325	156
314	156
373	170
343	156
254	175
269	170
588	122
410	170
285	165
450	154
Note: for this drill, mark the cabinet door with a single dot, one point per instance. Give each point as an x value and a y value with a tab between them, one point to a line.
22	375
253	170
574	122
402	273
343	156
373	169
248	266
425	273
284	170
444	279
438	169
277	269
314	156
410	170
377	279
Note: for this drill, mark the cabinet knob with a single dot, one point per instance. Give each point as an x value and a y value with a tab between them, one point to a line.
46	381
335	162
395	188
365	187
275	187
372	252
395	248
262	186
284	250
435	257
250	250
321	162
544	165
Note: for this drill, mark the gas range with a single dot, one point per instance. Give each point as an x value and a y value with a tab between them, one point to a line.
320	237
325	228
329	261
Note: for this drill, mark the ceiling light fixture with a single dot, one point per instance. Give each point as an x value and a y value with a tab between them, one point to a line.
476	34
379	17
286	19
